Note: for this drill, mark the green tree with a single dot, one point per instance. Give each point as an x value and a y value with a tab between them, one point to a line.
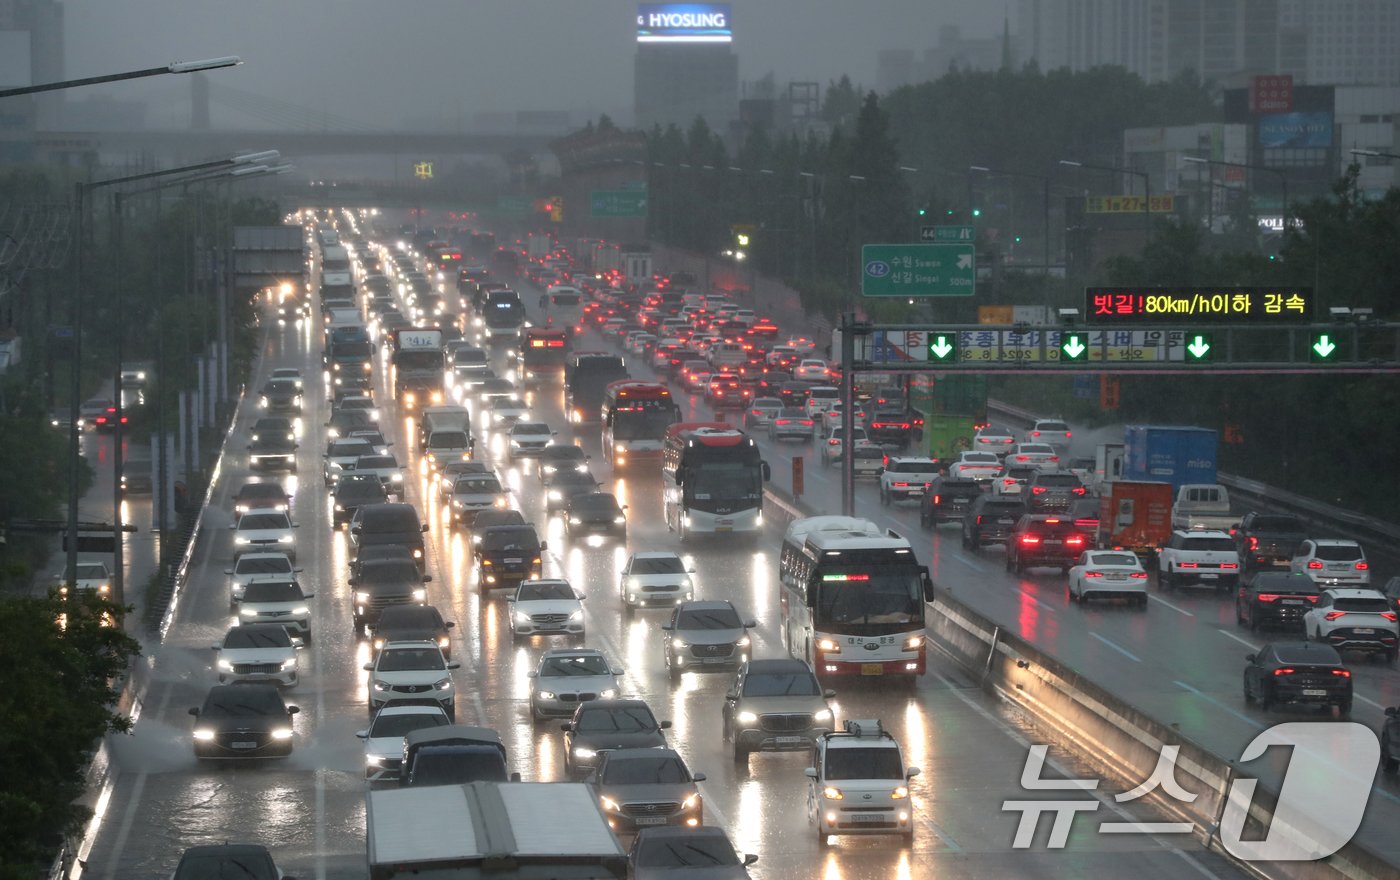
54	720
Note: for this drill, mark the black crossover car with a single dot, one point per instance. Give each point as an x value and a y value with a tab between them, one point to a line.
243	721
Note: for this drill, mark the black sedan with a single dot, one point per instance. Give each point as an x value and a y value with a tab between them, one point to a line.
352	492
1276	598
243	721
596	513
602	725
1297	672
564	486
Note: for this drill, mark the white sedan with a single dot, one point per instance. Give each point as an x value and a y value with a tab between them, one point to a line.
546	607
1041	456
812	370
1108	574
980	466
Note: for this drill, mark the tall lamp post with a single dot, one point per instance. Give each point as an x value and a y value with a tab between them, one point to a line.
1045	181
173	67
1282	177
84	191
1118	169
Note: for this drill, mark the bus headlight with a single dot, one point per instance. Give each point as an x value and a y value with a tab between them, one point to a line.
829	646
913	643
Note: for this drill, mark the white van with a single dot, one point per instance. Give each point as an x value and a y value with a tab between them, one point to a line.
564	307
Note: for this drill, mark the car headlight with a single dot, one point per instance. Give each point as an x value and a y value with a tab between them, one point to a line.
607	802
248	612
443	684
577	615
573	520
362	597
285	539
691	801
633	583
555	495
380	685
289	663
679	643
545	695
420	595
242	539
340	508
501	501
396	478
619	520
226	665
832	794
301	609
282	733
582	468
608	693
822	715
204	735
374	760
900	792
747	718
830	646
581	752
743	642
522	617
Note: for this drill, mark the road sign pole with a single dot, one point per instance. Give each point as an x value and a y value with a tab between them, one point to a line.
848	398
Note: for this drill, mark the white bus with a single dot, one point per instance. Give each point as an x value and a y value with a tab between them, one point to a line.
852	598
712	479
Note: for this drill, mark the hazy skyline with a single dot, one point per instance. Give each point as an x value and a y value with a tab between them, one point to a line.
378	63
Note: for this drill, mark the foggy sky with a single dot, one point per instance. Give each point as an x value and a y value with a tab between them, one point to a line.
379	62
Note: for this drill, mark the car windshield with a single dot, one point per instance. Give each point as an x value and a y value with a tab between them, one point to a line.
1053	427
263	521
244	700
225	866
595	504
272	591
522	429
89	571
408	659
993	431
583	664
561	453
350	448
448	440
257	637
979	458
1224	545
656	565
262	490
368	462
510	538
1037	448
263	565
616	719
708	618
402	725
863	763
392	519
1337	552
545	590
1113	559
1058	481
506	403
780	684
912	467
390	571
364	487
477	486
658	770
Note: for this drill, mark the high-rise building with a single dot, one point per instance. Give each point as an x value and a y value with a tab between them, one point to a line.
31	52
685	67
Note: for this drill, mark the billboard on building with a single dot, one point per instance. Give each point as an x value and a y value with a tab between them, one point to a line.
1271	94
684	23
1295	130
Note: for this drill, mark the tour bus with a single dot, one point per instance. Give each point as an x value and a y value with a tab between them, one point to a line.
712	479
852	598
635	416
564	308
543	353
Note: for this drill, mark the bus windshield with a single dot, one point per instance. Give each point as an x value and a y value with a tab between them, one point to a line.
643	420
869	600
715	481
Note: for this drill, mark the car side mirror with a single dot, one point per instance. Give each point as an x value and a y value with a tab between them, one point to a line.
296	569
666	627
810	772
698	777
292	710
232	525
532	674
625	507
829	694
579	596
515	776
453	664
368	667
228	571
750	624
767	472
362	734
1250	658
448	625
354	582
309	596
194	711
567	726
1391	712
911	772
296	525
214	647
543	546
665	725
427	579
750	859
731	695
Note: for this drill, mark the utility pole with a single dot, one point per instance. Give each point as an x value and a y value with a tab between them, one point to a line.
848	403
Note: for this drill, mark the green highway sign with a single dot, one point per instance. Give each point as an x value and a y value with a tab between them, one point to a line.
943	347
947	233
1073	347
1322	348
618	203
918	270
1200	347
513	206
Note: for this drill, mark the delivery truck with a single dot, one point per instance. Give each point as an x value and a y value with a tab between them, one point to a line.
1135	515
1169	454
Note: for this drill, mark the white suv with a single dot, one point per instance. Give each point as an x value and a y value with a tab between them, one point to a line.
906	478
1051	431
412	671
266	530
1199	556
1333	563
1354	620
859	784
250	567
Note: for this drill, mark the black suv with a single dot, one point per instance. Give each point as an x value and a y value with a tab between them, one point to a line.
991	520
1053	491
352	492
1045	541
382	583
508	555
394	523
1276	598
948	500
1297	672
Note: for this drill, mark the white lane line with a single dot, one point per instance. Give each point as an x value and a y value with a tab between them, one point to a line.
1229	635
1035	600
1219	705
977	564
1178	609
1372	703
1121	650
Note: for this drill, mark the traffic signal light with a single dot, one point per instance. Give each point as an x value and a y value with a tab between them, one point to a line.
1322	347
977	212
1073	347
1200	348
923	211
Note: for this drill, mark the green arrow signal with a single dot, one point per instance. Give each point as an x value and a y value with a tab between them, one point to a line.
1323	347
1199	347
941	348
1073	346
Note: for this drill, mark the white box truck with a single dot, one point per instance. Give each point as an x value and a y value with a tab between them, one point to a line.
495	830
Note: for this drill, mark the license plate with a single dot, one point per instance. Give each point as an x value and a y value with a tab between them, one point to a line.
1293	601
1209	577
1312	692
1364	631
513	560
872	669
958	500
787	740
244	745
724	522
1117	577
858	818
650	820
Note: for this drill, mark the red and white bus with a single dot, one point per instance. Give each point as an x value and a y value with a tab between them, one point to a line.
635	417
542	354
712	480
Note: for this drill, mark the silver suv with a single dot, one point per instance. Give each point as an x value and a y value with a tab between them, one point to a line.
774	706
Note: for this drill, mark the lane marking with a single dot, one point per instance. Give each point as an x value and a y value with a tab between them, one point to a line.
1124	651
1220	705
1035	600
1229	635
1175	608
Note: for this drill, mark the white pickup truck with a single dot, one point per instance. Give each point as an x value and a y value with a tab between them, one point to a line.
1204	506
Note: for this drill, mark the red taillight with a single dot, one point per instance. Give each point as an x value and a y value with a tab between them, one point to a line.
1268	597
1030	539
1140	575
1390	615
1067	435
1314	564
938	499
1333	615
1022	458
1079	490
1253	543
1287	670
1229	565
1038	490
979	517
1187	565
1008	482
901	485
1074	541
1035	433
1344	673
1362	566
1093	574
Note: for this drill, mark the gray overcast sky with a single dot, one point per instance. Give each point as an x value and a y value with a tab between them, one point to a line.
380	61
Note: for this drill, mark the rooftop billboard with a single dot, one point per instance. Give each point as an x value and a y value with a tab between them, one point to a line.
684	23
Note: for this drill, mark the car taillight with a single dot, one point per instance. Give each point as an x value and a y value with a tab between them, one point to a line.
1078	490
1138	574
1268	597
1344	673
1362	566
1314	564
1187	565
1030	539
1038	490
979	516
1287	670
1390	615
1074	541
1035	433
901	485
1230	565
1093	574
1253	543
1022	458
1333	615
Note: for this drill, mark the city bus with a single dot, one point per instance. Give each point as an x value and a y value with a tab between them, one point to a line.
543	353
712	479
852	598
636	415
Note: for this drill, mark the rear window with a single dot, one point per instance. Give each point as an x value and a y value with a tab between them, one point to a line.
1376	605
394	519
997	508
510	538
961	486
263	521
1338	552
1277	524
1302	655
912	467
1066	481
1221	544
1051	426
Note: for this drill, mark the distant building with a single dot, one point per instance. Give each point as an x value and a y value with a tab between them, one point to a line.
903	67
31	53
676	82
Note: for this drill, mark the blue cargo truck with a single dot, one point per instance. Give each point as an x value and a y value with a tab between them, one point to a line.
1169	454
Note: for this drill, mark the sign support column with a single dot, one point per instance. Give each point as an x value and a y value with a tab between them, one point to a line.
848	404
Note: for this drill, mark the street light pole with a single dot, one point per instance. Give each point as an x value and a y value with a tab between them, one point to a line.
1045	180
1282	177
174	67
1146	187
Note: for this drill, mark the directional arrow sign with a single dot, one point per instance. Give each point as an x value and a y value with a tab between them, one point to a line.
1200	347
907	270
1323	347
943	347
1072	347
